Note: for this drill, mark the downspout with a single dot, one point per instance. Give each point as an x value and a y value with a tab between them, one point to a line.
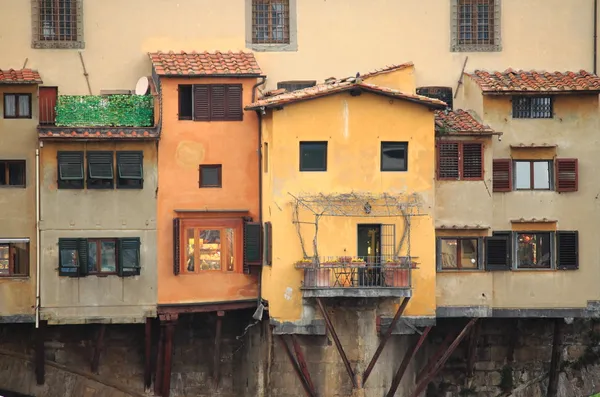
38	238
595	35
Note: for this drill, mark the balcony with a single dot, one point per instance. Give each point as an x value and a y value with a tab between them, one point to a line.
97	116
356	277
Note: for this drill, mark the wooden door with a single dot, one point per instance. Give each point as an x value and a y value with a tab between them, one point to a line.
47	105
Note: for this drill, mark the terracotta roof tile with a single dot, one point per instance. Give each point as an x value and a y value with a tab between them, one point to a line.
347	84
20	76
107	133
532	81
387	69
459	121
204	63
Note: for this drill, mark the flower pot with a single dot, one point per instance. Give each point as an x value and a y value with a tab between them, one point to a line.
396	276
323	277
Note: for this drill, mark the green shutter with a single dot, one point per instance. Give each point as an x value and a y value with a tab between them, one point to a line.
100	165
70	166
268	250
252	244
130	165
129	257
82	250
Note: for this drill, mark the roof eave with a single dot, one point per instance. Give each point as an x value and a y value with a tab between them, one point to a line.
239	75
468	133
21	82
530	92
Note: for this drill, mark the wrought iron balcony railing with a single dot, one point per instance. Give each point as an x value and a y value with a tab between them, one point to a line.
357	276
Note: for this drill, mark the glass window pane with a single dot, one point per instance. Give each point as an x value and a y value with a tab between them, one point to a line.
21	259
522	175
4	260
16	174
92	256
313	156
209	243
541	175
209	176
449	252
10	106
3	180
108	256
468	253
229	261
24	110
393	156
68	258
533	250
189	242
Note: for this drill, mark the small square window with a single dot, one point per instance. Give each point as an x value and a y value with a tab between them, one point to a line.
210	175
14	259
533	175
528	107
12	173
17	106
459	253
313	156
394	156
534	251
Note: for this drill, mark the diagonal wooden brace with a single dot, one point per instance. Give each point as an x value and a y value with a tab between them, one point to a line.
410	354
306	383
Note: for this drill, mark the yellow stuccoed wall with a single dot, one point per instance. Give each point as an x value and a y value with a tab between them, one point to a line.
354	128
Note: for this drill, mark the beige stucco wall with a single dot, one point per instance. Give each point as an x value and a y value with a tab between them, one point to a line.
573	129
334	38
18	141
89	213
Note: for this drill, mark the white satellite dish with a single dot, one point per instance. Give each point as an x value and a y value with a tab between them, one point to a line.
142	86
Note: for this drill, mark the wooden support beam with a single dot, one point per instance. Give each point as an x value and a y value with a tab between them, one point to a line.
98	348
512	340
158	374
556	357
336	340
408	356
310	392
384	339
302	363
217	358
436	356
168	356
148	353
440	363
40	355
472	349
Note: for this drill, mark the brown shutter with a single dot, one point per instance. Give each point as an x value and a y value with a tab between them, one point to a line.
567	177
498	251
448	160
201	103
502	175
234	102
567	250
218	102
472	158
176	246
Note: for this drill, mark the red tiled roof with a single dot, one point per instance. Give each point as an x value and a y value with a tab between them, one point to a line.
204	63
387	69
107	133
20	76
527	81
448	121
325	89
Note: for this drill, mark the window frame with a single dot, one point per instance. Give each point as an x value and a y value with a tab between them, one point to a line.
480	254
527	114
300	162
17	106
199	99
121	182
90	181
495	31
460	160
11	264
23	163
218	167
98	271
402	144
70	183
551	174
38	42
211	224
291	45
552	250
180	95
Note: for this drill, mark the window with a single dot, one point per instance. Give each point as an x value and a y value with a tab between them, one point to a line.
394	156
533	250
270	22
130	170
266	157
475	25
295	85
57	23
530	107
210	175
100	170
12	173
211	102
70	170
441	93
79	257
461	253
14	257
313	156
17	106
533	175
459	160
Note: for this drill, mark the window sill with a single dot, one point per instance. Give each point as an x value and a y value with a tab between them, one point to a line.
279	47
12	186
14	277
17	117
65	45
476	48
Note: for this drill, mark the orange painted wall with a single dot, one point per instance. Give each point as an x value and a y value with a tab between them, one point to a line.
184	145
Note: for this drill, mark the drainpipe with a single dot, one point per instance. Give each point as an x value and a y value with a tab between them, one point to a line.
38	238
595	35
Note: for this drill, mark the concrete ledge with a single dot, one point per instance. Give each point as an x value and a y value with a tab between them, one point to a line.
17	318
357	293
591	310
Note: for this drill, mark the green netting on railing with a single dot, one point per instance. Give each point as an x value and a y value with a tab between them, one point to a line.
104	111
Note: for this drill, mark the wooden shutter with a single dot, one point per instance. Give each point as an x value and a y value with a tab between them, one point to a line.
567	250
448	160
201	103
218	102
472	161
498	251
82	250
132	269
252	244
567	177
234	102
176	246
70	244
268	252
502	175
130	164
70	166
100	165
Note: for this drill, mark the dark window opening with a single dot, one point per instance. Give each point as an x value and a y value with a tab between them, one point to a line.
130	170
394	156
270	21
17	106
12	173
295	85
313	156
441	93
100	170
70	170
57	20
531	107
185	102
210	175
533	250
14	259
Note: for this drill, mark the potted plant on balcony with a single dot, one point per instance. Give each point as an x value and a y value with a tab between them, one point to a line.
305	263
397	272
324	272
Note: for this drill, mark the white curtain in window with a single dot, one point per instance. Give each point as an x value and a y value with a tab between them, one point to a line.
24	106
10	108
